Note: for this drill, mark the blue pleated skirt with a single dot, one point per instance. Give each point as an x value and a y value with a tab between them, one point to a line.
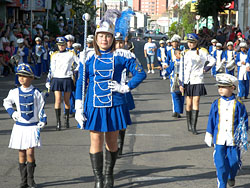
107	119
62	84
129	101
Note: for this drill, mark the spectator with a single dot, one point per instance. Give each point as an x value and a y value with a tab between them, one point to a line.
221	38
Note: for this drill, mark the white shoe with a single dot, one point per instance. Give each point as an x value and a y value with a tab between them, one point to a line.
152	71
164	78
148	71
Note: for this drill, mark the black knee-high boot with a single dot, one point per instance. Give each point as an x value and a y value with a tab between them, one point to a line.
97	165
30	174
189	124
23	173
121	141
58	119
66	123
195	114
110	160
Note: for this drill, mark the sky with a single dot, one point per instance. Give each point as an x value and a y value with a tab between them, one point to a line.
130	3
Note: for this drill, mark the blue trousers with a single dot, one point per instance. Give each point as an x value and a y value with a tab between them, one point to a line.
45	66
38	69
213	71
230	72
243	88
177	102
227	162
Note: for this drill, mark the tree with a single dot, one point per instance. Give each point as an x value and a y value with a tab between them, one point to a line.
207	8
188	19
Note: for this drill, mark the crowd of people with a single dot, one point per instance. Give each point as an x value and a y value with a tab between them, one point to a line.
95	88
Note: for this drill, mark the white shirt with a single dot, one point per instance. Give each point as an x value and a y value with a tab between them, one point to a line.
192	70
61	64
225	135
149	48
242	71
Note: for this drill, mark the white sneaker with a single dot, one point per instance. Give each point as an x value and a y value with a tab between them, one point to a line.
148	71
152	71
164	78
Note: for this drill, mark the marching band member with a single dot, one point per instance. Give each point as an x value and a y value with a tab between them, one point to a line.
29	117
175	40
77	48
168	46
39	50
60	79
229	58
22	52
211	50
227	115
243	71
70	40
192	78
104	108
173	72
161	57
46	56
220	61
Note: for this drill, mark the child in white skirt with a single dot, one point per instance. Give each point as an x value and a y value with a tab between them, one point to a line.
29	118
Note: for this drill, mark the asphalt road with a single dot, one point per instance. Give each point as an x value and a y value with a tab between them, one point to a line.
159	151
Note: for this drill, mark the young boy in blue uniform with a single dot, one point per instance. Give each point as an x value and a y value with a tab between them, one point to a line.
225	115
173	72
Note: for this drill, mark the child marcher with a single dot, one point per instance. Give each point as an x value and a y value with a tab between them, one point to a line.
211	50
226	115
173	72
229	58
168	46
161	57
29	118
243	74
220	62
39	51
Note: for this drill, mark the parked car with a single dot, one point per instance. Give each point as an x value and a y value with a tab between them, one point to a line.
155	35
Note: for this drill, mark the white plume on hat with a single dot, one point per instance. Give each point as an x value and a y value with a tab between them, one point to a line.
107	22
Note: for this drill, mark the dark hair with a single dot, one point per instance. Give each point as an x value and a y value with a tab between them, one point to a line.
96	47
177	50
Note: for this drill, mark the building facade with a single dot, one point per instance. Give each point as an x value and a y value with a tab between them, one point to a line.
150	7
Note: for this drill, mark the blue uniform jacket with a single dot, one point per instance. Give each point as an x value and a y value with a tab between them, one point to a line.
100	70
159	54
26	52
214	116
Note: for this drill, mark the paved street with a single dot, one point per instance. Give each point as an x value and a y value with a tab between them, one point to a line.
159	152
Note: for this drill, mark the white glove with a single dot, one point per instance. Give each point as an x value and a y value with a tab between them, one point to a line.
80	117
163	72
47	85
208	139
115	86
16	115
40	125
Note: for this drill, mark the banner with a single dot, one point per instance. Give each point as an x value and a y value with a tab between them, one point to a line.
35	5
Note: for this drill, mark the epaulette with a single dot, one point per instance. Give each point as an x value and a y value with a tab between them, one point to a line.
72	52
204	49
239	101
54	53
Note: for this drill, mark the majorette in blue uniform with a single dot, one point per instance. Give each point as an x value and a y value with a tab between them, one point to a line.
243	74
211	51
220	62
177	97
23	52
104	106
38	52
29	117
227	115
161	56
229	58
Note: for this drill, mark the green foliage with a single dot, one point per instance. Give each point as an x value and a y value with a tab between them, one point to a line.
188	19
52	27
175	28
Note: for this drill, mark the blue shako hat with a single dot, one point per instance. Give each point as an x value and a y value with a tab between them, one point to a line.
61	40
122	24
24	70
192	37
